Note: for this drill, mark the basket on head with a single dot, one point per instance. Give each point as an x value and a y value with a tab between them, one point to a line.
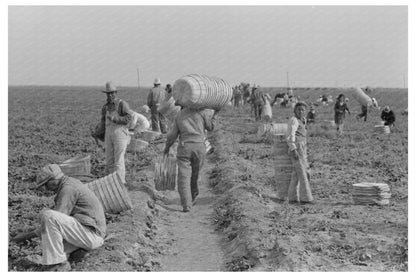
112	193
165	173
77	166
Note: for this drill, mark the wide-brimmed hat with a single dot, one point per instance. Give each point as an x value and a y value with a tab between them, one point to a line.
49	172
110	87
157	81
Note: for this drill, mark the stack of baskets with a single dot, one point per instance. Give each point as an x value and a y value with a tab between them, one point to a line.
282	165
111	193
165	173
370	194
382	129
200	91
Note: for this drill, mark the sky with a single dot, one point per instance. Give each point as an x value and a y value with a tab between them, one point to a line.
267	45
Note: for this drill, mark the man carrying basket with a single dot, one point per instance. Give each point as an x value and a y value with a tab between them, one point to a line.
190	126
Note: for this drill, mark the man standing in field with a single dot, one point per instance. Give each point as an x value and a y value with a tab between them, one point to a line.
76	221
115	116
257	101
189	125
296	140
155	97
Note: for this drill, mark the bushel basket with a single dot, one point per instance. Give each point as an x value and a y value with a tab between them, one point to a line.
77	166
165	173
112	194
200	91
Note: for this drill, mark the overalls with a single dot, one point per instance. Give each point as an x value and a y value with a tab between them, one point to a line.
299	179
116	140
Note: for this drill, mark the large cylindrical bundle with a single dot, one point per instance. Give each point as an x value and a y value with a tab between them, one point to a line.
282	165
200	91
360	96
266	112
111	193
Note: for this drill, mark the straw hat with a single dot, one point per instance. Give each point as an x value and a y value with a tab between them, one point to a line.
157	81
110	87
49	172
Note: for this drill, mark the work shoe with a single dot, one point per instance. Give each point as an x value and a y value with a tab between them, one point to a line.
78	255
64	266
186	209
194	197
306	202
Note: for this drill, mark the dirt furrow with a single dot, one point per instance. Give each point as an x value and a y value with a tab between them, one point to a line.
192	243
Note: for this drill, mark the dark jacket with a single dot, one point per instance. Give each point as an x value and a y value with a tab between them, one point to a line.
388	117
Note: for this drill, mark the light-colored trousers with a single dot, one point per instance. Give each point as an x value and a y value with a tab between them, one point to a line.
190	158
116	140
299	180
62	234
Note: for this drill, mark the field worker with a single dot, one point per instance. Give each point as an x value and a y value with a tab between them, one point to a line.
296	140
387	116
236	96
115	115
168	91
155	97
364	112
76	221
310	118
257	101
340	108
189	126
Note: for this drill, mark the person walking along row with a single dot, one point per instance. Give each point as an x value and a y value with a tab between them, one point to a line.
155	97
189	126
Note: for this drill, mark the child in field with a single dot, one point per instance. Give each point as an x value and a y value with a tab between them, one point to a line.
340	108
296	141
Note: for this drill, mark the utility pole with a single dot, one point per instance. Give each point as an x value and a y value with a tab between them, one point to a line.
287	79
138	79
404	80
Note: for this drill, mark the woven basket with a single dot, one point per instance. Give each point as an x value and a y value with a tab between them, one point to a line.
165	173
361	97
148	135
137	145
274	129
111	193
77	166
382	129
200	91
282	165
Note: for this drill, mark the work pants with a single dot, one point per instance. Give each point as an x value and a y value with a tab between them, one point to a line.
299	182
62	234
190	159
257	111
158	121
116	140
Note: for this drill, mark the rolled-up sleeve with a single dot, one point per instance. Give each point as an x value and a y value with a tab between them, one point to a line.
126	114
292	127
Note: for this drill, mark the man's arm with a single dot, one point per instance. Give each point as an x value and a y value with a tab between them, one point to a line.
65	200
171	137
124	114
